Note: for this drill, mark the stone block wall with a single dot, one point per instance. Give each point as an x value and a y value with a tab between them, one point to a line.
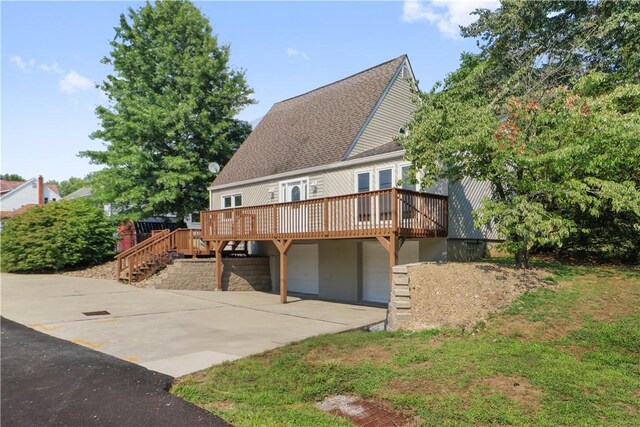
399	309
246	274
238	274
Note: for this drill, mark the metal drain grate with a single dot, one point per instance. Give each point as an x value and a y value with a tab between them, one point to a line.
96	313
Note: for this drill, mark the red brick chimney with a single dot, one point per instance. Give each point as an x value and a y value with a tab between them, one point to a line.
40	191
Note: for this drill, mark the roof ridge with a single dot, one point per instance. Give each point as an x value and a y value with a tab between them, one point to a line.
340	80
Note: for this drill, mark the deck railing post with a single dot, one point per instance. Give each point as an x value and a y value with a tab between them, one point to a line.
394	210
275	220
325	216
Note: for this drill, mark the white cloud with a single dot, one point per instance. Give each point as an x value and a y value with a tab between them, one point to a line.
21	63
446	15
74	82
295	52
53	68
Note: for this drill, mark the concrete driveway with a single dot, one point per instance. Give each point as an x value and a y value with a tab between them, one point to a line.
172	332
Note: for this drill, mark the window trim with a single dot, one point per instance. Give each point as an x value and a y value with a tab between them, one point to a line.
393	176
304	182
233	200
400	176
355	180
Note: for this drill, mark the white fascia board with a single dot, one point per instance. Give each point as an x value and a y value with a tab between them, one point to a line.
312	170
19	188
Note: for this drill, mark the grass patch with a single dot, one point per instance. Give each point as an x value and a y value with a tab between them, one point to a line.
567	355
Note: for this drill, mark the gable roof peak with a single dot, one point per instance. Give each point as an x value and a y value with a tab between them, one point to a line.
311	129
340	80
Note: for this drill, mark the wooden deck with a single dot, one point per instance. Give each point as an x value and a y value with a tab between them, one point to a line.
407	214
390	216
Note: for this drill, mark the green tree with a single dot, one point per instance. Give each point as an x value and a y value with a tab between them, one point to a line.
547	116
11	177
59	235
72	184
172	102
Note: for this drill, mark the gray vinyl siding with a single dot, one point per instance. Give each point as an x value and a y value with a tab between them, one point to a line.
258	194
252	195
343	181
465	196
394	112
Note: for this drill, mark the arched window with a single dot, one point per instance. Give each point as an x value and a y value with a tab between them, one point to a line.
295	193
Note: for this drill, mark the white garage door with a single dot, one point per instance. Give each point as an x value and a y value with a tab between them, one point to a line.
375	269
302	269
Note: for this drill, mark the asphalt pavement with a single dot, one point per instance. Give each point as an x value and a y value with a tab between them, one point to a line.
48	381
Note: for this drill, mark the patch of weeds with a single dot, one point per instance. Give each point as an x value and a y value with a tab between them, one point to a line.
493	408
479	327
542	303
623	333
366	380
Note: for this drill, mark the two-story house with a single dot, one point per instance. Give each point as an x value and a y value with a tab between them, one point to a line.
318	187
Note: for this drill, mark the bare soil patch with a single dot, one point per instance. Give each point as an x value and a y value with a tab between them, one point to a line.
515	388
461	294
331	354
101	271
517	326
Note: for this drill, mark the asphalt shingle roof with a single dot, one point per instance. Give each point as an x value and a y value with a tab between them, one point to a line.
312	129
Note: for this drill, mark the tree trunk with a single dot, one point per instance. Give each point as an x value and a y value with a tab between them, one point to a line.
522	258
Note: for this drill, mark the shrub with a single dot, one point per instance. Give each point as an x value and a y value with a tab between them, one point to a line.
68	233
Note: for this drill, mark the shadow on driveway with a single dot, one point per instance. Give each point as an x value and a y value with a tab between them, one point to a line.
49	381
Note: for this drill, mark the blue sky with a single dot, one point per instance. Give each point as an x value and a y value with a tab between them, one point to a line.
51	55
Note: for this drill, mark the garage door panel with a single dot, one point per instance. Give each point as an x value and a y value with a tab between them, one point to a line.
375	269
302	269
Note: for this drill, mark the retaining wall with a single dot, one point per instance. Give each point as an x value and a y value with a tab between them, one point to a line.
238	274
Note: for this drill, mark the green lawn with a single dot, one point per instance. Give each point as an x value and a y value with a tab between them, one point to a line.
569	355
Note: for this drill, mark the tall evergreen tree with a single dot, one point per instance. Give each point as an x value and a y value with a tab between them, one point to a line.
173	98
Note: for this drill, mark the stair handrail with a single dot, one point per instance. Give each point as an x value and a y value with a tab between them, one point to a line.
165	240
144	243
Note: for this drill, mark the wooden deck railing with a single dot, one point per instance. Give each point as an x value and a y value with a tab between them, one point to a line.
153	253
375	213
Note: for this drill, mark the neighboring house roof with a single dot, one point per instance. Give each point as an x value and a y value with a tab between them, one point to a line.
312	129
80	192
19	211
53	187
8	186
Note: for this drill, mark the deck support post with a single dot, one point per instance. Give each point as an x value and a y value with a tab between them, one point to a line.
392	245
283	246
218	247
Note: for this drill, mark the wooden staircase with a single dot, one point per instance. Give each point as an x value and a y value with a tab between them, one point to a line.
143	260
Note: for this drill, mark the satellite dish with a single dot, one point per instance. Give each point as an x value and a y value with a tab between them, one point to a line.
214	167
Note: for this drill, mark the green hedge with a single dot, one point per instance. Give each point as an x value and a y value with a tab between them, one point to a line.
58	235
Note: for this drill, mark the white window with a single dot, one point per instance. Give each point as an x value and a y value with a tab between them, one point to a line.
232	201
405	176
385	202
385	178
294	190
363	205
229	202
